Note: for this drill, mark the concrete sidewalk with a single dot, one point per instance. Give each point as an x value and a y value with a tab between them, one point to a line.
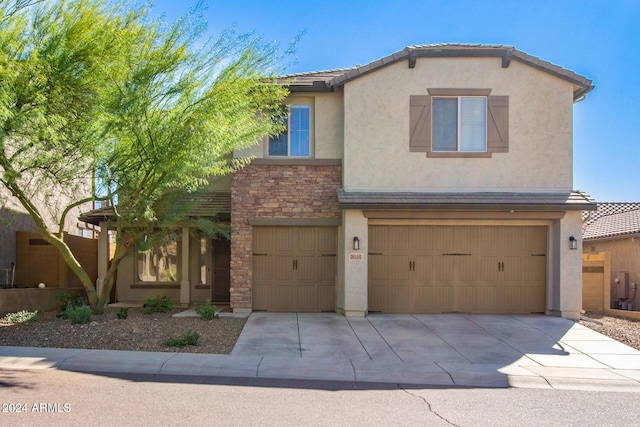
530	351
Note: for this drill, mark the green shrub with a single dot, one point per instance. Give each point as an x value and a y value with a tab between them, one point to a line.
207	311
188	338
80	314
158	304
68	299
123	313
22	316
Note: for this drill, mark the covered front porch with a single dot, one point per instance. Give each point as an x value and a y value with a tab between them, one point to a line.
190	267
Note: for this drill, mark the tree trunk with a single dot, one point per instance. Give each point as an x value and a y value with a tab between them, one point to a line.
121	253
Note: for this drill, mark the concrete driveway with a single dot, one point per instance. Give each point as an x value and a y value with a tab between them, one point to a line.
445	350
439	349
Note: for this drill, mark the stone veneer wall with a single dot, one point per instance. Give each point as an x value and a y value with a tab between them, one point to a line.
275	191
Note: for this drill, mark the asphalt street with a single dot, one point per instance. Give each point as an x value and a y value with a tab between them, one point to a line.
61	398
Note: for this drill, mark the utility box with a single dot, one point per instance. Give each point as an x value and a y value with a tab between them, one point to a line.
622	287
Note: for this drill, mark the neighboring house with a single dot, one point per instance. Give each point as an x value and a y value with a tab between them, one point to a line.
437	179
615	228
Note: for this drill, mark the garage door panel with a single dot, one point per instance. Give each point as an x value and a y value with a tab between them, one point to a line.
262	296
307	300
398	268
443	269
378	239
421	239
306	268
443	240
285	239
536	240
422	297
377	298
378	268
465	298
283	268
513	268
398	238
465	269
326	297
487	299
263	241
267	268
488	239
443	298
284	298
423	272
534	268
398	299
307	239
488	269
327	269
326	240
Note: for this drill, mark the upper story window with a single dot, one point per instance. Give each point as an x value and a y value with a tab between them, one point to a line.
459	124
295	141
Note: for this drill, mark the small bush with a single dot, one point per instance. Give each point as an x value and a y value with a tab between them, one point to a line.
207	311
188	338
80	314
68	299
123	313
22	316
158	304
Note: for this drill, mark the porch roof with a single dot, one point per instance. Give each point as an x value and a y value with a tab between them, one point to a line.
213	204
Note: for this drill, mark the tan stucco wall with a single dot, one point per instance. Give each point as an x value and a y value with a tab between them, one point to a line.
376	129
327	126
564	268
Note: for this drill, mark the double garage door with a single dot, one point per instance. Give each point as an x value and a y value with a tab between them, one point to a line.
294	268
474	269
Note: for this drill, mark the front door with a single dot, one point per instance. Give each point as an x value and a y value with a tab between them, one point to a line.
221	270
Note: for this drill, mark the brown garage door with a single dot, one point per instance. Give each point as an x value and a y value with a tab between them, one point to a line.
294	268
474	269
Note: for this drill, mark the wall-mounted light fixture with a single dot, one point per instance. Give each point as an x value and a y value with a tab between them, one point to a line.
573	243
356	244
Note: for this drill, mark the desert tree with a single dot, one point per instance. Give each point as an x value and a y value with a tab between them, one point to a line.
151	109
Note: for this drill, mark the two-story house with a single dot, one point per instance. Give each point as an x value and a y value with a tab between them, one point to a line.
436	179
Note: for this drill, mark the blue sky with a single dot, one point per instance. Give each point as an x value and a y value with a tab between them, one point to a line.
597	39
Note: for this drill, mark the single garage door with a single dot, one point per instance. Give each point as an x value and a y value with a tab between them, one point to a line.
473	269
294	268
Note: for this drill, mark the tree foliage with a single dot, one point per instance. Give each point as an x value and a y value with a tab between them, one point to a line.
153	110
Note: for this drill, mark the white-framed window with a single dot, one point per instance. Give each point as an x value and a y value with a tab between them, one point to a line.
295	141
159	264
459	124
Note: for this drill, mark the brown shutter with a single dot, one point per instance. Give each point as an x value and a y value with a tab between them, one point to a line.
498	124
420	123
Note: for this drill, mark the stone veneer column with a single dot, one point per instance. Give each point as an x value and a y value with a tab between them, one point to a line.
275	191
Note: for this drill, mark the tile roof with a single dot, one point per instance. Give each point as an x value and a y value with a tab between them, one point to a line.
611	220
337	77
574	200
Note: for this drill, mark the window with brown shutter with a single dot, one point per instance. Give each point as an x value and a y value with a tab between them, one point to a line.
421	122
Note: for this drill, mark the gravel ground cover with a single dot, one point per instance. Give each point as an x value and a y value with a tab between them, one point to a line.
138	332
627	331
